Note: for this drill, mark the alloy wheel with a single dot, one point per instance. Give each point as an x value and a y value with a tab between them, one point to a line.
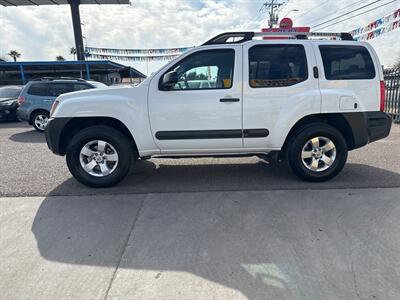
98	158
318	154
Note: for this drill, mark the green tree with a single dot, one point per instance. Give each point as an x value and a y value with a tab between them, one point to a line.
60	58
14	54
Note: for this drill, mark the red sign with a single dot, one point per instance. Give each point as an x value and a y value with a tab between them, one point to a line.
285	25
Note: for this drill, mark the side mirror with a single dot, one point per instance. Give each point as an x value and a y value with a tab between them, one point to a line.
169	80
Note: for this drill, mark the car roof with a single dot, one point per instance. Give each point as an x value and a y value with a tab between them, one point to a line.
59	81
17	87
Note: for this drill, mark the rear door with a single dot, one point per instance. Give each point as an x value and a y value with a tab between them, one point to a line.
39	96
278	89
349	80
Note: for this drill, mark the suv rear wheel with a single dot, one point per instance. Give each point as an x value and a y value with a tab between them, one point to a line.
317	152
99	156
40	119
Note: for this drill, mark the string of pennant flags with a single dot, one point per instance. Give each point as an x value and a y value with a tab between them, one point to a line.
378	27
374	29
135	54
132	58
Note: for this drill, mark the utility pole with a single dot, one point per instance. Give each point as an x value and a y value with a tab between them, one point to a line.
272	6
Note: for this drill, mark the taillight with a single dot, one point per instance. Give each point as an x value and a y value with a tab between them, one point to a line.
53	107
21	100
382	92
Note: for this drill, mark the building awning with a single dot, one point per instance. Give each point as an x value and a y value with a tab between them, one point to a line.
94	65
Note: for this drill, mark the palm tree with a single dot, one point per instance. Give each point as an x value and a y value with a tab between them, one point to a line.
73	52
14	54
60	58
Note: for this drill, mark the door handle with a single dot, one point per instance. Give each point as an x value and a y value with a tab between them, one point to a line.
315	71
229	100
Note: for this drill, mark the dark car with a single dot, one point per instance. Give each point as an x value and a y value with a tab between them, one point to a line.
9	102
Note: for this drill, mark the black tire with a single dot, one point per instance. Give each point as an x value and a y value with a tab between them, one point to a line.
110	135
44	114
299	139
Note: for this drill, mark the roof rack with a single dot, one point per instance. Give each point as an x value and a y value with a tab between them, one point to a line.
241	37
58	78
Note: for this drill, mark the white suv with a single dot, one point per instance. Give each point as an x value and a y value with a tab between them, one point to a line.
303	99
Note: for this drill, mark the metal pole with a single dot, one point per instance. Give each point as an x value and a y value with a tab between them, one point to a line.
21	69
76	23
87	71
271	15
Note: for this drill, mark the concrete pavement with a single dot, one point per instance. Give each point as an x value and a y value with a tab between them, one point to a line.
300	244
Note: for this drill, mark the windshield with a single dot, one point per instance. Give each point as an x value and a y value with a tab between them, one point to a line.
10	92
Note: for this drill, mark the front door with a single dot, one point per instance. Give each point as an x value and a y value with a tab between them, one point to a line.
202	112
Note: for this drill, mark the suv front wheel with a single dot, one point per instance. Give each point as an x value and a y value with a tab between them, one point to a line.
99	156
317	152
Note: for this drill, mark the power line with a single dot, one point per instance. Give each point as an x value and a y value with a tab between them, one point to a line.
358	14
312	9
342	8
345	14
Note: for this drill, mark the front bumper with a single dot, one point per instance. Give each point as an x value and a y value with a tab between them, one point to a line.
8	111
53	133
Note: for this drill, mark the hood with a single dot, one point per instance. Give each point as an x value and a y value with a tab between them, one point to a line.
100	93
8	99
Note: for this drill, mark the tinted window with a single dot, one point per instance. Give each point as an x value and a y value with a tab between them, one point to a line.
277	65
210	69
347	62
59	88
39	89
80	87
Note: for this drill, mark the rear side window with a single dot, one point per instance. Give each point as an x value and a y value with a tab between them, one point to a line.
39	89
80	87
347	62
57	89
277	65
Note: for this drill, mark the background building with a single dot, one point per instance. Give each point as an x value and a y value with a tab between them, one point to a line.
104	71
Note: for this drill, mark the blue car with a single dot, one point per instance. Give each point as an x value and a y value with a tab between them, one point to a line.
37	97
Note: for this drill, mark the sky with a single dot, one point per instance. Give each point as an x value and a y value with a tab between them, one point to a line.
42	33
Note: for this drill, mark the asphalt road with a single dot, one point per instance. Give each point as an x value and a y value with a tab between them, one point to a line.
28	168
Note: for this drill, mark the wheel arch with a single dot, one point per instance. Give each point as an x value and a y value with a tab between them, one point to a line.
34	111
76	124
336	120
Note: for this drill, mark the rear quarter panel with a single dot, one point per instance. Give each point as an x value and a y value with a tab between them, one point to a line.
341	95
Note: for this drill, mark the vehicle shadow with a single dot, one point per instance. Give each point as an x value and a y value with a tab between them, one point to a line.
252	174
253	242
31	136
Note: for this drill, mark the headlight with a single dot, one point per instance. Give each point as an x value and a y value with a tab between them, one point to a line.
9	102
54	106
